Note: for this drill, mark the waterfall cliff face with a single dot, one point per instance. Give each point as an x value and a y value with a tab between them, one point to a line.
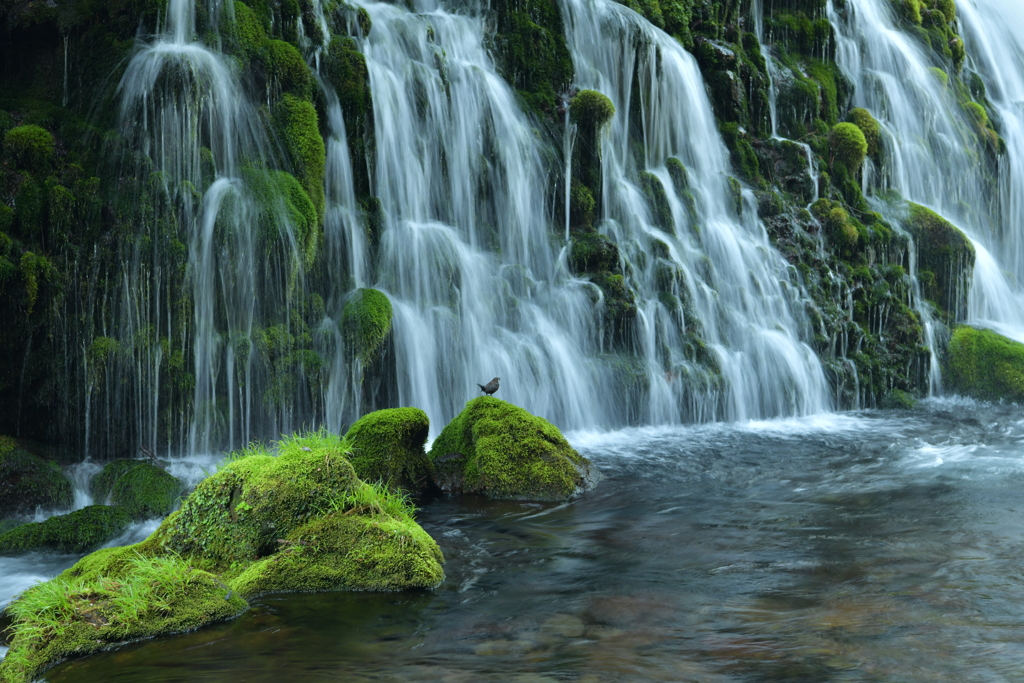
939	145
207	201
712	254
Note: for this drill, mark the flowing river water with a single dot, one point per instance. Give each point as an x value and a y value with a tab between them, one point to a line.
870	546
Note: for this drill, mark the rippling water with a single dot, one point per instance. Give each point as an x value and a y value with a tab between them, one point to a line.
855	547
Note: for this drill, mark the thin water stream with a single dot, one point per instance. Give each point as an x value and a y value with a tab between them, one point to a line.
869	546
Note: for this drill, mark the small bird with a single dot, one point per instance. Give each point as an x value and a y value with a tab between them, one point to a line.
490	387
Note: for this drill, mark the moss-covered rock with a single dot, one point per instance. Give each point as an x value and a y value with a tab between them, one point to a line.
387	446
945	260
298	125
29	147
366	322
986	365
848	146
79	613
75	532
139	487
502	451
27	481
591	109
872	131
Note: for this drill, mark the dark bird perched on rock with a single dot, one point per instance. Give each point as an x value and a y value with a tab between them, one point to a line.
490	387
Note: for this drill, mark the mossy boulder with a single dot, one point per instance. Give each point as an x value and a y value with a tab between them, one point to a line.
366	322
986	365
75	532
387	446
848	146
139	487
299	520
871	129
945	261
27	481
299	127
502	451
591	109
29	147
82	611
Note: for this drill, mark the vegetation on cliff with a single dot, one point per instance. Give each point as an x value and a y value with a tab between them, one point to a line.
986	365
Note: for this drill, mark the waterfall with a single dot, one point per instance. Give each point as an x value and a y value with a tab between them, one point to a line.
739	295
466	253
997	52
195	143
933	153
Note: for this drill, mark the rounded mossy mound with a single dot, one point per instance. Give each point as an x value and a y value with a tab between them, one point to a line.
986	365
591	109
260	505
871	129
141	488
945	261
96	605
75	532
387	446
366	322
848	146
502	451
27	481
381	548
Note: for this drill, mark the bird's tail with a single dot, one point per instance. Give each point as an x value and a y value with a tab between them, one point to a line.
482	387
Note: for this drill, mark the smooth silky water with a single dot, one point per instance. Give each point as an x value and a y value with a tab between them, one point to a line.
872	546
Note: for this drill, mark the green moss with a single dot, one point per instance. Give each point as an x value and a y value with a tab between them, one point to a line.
863	119
387	446
944	251
940	75
75	532
836	222
591	109
948	9
986	365
581	205
531	53
909	10
298	124
897	399
500	450
27	481
29	147
286	67
301	213
145	597
249	31
848	146
340	551
347	72
366	322
139	487
236	515
593	253
657	201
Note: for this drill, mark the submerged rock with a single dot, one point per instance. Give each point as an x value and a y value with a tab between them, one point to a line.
500	450
27	481
75	532
387	446
299	520
986	365
139	487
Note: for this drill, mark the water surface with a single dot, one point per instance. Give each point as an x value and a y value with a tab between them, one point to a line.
858	547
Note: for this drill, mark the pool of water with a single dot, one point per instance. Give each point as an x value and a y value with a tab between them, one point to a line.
855	547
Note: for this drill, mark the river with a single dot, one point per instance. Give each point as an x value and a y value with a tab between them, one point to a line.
870	546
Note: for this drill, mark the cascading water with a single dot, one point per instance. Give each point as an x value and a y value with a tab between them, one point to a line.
205	203
736	290
935	153
997	49
466	254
